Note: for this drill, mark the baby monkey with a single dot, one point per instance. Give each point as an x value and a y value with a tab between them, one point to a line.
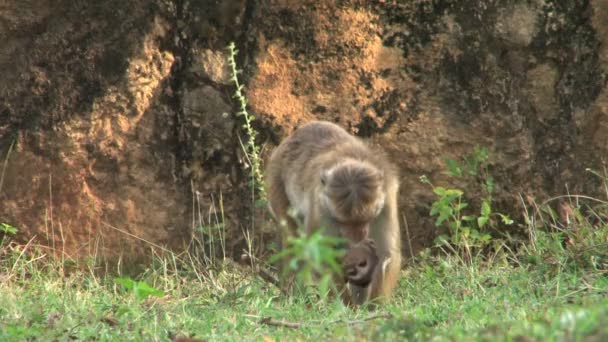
360	262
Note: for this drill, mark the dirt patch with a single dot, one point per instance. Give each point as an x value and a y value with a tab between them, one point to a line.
345	75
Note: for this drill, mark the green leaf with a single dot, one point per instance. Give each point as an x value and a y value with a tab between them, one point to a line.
324	285
441	219
293	264
143	291
127	283
453	193
8	229
444	214
453	167
435	208
481	154
474	233
490	184
481	221
140	288
461	206
486	237
441	239
439	191
471	166
485	208
505	219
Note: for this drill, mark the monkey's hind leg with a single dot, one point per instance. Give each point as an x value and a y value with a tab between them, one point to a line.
278	203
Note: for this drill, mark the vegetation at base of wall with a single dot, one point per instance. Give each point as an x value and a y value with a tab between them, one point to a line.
549	284
468	228
437	298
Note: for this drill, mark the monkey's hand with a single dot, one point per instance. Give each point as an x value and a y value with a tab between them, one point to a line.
360	262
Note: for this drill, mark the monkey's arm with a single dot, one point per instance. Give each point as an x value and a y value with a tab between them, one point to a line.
386	234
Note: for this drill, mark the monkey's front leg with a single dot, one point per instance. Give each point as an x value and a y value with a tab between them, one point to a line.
386	235
385	278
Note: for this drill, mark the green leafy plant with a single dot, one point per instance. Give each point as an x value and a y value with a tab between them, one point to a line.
312	259
141	289
468	228
252	150
6	229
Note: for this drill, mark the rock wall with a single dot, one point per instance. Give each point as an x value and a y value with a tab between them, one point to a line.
117	125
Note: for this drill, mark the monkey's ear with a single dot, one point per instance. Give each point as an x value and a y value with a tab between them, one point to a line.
324	177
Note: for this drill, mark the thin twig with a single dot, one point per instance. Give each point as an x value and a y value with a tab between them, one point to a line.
295	325
366	319
150	243
25	248
409	239
574	196
268	277
136	237
277	323
8	154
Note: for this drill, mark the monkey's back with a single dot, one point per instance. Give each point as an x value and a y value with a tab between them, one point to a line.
311	141
307	146
312	147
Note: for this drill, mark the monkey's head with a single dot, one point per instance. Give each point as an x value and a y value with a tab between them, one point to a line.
352	195
359	263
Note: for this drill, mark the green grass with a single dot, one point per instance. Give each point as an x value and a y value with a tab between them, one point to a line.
548	284
549	294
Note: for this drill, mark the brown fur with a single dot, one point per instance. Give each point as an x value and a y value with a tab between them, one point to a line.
335	181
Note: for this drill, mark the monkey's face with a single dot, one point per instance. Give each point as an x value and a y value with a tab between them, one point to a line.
359	263
351	198
352	231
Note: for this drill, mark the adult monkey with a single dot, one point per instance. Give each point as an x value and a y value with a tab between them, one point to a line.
334	180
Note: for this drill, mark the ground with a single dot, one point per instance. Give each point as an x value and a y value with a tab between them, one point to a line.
550	284
536	295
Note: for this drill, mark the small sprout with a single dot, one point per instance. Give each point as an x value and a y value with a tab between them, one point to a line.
139	288
8	229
